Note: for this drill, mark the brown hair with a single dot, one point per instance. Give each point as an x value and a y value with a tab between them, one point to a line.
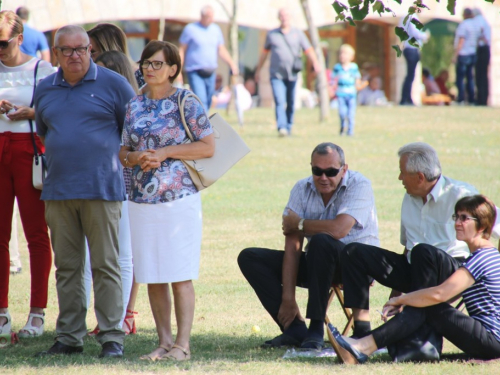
170	51
8	17
482	209
109	37
118	62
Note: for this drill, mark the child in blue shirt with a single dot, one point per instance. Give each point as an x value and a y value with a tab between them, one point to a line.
348	81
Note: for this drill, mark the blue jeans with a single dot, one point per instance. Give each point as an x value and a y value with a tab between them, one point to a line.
203	87
284	92
412	56
464	67
347	110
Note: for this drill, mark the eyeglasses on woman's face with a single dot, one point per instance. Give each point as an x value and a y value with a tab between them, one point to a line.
462	217
155	64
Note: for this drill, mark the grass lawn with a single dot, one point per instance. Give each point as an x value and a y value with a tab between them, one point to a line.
244	209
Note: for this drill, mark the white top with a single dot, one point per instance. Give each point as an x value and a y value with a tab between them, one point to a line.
431	223
484	30
469	30
16	86
412	31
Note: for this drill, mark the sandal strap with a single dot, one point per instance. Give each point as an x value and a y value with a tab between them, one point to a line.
132	313
36	315
164	348
184	350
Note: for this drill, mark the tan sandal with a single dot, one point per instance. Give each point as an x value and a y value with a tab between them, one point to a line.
169	356
150	357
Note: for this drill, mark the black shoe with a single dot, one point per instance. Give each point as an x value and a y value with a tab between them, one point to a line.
280	341
313	343
111	349
60	348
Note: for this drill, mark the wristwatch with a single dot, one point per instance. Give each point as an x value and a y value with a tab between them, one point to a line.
301	225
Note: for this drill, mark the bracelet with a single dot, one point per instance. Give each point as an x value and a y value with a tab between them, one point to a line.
126	158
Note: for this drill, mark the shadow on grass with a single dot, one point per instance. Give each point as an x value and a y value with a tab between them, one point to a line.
206	349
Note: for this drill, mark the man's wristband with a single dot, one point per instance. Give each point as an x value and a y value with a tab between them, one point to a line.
301	225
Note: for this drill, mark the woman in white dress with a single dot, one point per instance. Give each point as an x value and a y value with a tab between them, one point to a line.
165	206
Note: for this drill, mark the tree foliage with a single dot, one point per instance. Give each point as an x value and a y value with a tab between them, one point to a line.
357	10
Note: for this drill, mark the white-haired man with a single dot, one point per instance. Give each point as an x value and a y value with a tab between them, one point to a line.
431	251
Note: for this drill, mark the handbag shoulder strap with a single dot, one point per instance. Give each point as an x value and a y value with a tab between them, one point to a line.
288	44
181	100
31	106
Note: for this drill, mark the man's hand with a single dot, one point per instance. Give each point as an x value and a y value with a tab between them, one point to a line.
290	223
288	312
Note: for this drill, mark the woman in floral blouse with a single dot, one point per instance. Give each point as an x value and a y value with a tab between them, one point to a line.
165	207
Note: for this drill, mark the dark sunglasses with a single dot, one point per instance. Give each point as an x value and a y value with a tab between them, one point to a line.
330	172
5	43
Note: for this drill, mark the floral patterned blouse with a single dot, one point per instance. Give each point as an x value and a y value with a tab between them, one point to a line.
153	124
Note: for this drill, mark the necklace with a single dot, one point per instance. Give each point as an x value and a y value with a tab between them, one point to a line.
170	91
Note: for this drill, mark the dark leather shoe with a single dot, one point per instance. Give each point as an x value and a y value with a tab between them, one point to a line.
281	341
111	349
60	348
360	357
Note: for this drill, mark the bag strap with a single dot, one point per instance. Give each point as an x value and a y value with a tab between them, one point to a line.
289	46
31	106
181	110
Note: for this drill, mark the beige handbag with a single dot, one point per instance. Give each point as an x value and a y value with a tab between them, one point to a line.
229	149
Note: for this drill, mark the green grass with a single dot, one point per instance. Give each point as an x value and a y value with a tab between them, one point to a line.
244	209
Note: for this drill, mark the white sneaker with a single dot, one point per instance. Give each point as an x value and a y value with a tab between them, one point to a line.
282	132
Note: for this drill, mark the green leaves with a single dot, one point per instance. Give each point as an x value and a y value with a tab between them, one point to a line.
451	6
339	7
360	13
401	33
397	49
419	25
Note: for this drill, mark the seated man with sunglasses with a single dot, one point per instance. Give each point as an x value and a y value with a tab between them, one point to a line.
431	251
331	208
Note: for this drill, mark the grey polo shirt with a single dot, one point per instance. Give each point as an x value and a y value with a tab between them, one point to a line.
282	55
82	126
354	197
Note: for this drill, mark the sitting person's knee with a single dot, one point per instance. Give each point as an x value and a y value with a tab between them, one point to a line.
422	251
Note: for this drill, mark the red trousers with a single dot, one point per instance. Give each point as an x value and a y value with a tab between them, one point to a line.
16	159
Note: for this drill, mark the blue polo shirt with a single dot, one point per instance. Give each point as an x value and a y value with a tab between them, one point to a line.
202	46
33	41
82	126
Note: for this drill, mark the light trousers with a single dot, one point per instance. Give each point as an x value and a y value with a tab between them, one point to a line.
70	223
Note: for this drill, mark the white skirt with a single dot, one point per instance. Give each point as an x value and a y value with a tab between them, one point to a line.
166	240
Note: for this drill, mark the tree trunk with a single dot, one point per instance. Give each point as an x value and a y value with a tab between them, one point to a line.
324	98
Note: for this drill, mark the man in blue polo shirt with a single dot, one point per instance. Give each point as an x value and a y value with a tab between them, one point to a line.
79	115
34	41
200	44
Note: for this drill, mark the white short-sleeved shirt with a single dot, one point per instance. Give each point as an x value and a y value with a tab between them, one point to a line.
354	197
431	223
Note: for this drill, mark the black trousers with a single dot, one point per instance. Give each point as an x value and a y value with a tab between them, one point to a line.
482	84
317	271
466	333
360	263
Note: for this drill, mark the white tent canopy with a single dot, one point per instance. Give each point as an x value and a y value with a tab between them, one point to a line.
52	14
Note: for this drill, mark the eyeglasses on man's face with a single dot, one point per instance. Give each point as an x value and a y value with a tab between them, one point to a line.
68	51
329	172
5	43
155	64
462	217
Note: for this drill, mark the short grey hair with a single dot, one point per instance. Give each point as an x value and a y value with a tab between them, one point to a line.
421	158
328	147
69	29
206	9
477	12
